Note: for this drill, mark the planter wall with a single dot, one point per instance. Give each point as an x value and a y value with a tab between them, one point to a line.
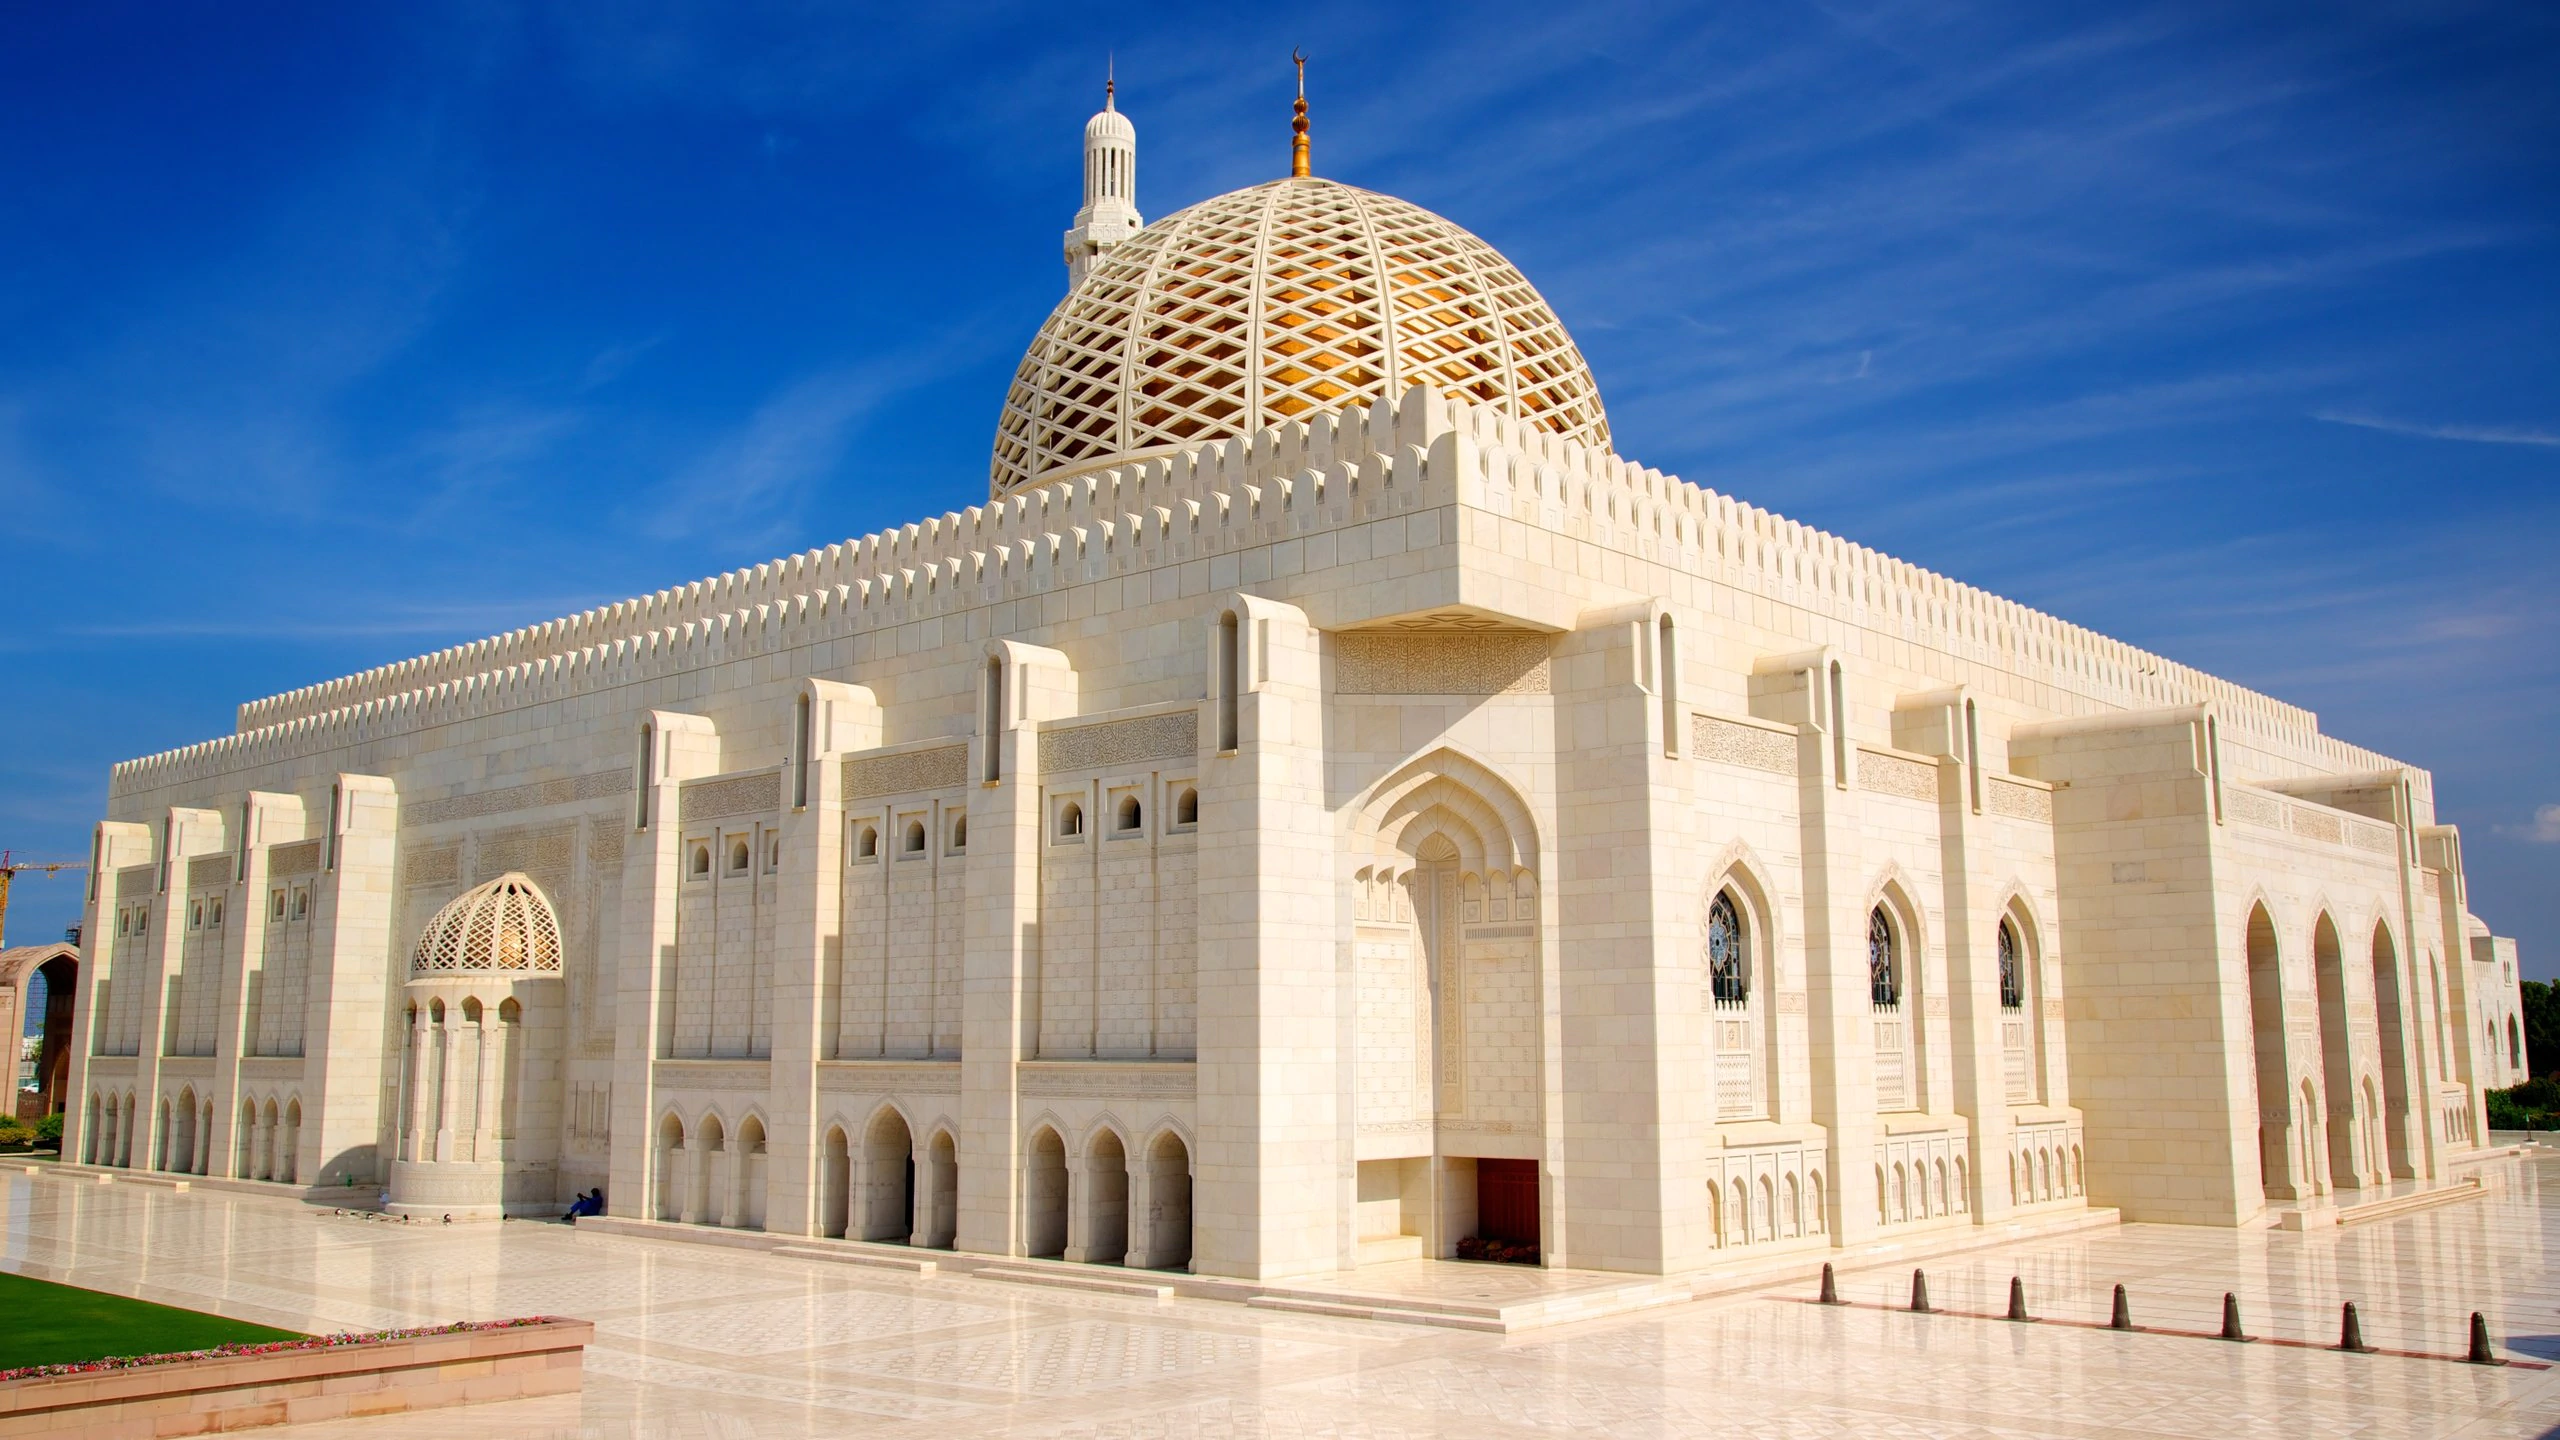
237	1392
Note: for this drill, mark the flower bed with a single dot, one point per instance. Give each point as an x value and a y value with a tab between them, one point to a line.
235	1387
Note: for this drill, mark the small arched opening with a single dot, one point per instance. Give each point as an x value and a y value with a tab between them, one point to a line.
942	1191
749	1205
671	1168
1044	1196
2347	1168
1168	1210
1106	1206
888	1179
708	1204
2277	1149
835	1183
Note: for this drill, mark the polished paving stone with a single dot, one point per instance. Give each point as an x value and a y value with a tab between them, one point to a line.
697	1341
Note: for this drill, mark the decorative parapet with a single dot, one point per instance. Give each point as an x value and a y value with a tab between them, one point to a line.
1330	471
2309	820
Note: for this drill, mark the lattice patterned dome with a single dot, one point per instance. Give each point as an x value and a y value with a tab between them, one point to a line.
503	925
1275	301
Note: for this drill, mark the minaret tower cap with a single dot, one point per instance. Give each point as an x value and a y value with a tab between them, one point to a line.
1298	126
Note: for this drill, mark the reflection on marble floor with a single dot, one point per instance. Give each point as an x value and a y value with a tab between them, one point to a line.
700	1343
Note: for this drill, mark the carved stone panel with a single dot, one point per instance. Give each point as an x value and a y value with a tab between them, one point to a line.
1894	775
1748	746
905	773
756	794
596	786
1121	742
1447	662
2018	802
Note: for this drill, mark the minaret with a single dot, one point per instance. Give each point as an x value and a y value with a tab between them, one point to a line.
1110	213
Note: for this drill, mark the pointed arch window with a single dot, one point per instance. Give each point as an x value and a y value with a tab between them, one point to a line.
2013	992
1728	964
1884	961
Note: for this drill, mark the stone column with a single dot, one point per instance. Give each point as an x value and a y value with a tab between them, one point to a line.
484	1123
349	1020
682	747
1079	1210
1840	1013
448	1075
417	1074
1634	1108
1000	975
1142	1227
1273	1175
115	846
808	942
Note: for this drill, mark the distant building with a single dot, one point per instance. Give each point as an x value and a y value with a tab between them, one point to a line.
1324	806
38	992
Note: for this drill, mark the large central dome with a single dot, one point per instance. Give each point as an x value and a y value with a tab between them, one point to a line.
1276	301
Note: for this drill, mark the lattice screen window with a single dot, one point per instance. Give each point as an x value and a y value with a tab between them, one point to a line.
505	924
1277	301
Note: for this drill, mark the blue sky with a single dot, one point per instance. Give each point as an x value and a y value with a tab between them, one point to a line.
331	335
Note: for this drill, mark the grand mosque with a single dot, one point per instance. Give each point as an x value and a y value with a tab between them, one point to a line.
1326	807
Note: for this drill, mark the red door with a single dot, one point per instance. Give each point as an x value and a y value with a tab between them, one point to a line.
1507	1201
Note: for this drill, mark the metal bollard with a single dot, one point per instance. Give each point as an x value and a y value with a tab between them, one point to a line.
2231	1318
2481	1354
2351	1334
2017	1300
2122	1318
1920	1293
1830	1287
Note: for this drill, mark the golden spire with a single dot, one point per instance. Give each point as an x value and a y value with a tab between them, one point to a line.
1298	126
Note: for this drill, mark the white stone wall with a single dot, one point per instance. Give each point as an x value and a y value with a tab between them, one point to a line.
1455	677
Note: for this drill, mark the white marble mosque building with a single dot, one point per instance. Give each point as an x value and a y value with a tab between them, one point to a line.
1325	805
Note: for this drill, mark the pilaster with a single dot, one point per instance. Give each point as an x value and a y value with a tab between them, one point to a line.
348	1020
1270	1177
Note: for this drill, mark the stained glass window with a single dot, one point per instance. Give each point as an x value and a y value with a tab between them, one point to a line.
1884	970
1728	974
2012	989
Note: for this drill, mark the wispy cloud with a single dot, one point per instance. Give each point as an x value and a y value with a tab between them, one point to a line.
2545	829
2477	434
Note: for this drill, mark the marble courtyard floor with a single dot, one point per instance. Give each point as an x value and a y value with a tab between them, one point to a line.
697	1341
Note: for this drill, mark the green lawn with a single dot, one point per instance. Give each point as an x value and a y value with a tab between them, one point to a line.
42	1323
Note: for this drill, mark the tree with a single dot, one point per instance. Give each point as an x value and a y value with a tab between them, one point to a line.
2541	1027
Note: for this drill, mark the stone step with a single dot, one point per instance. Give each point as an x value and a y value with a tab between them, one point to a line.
1063	1279
1363	1308
905	1264
2468	1188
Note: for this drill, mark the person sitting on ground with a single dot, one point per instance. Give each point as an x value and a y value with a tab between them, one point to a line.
591	1203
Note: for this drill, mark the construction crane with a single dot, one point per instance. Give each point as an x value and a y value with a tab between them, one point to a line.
9	869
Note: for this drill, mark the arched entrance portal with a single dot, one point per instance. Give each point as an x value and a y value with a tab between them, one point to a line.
1449	991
